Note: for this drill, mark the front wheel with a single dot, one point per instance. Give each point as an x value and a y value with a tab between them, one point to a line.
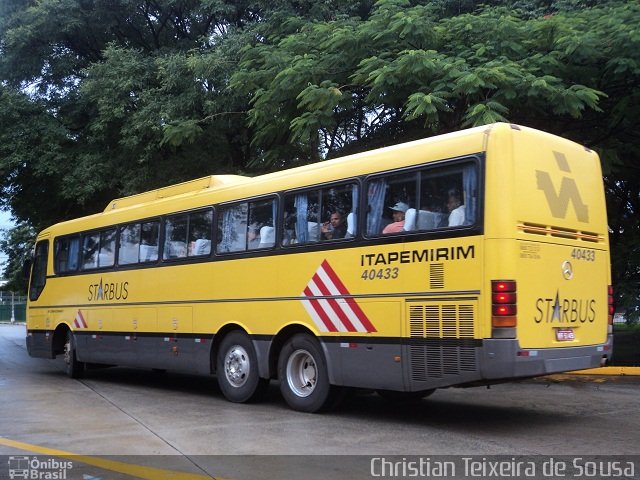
73	367
237	369
304	379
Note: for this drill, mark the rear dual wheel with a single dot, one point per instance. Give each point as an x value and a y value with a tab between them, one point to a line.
303	375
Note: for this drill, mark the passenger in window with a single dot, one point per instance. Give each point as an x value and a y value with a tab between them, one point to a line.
335	228
455	207
398	213
253	236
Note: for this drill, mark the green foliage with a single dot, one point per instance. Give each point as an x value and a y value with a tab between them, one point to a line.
17	244
412	62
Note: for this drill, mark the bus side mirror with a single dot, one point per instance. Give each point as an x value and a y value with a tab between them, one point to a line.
26	268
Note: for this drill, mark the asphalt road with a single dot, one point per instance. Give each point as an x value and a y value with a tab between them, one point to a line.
184	423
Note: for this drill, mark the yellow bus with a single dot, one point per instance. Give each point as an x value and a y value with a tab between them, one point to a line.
465	259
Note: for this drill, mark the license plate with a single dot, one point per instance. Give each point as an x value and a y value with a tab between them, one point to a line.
565	334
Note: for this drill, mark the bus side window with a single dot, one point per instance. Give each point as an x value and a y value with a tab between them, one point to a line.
338	212
149	240
66	254
320	215
448	196
232	228
391	200
107	253
90	246
301	223
139	243
175	237
200	224
426	199
261	232
129	244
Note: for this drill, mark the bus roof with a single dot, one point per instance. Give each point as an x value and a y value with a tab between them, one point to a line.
192	186
178	195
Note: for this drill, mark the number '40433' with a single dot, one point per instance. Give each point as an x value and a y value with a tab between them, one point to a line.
380	274
583	254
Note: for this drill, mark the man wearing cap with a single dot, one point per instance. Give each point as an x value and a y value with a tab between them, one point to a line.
398	212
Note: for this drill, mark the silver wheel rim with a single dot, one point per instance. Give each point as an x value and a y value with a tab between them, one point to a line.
302	373
237	366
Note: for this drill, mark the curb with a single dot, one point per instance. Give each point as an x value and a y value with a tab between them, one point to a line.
620	371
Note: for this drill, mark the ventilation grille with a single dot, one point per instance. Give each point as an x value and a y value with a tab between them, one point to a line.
559	232
436	275
441	340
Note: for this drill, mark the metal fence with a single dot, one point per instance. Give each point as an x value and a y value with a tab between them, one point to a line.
13	308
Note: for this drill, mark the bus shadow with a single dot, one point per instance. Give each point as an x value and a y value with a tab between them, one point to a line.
467	413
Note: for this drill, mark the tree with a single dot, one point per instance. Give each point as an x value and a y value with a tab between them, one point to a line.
17	244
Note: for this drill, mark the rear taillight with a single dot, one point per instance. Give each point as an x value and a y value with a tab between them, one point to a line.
612	307
504	304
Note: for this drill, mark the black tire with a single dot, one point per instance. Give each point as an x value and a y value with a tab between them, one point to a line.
237	369
303	375
73	367
404	397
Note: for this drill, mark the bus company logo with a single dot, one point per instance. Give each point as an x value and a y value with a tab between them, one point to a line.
38	469
568	192
108	291
565	310
331	306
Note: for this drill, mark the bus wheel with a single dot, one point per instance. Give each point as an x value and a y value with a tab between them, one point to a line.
404	397
73	367
304	380
237	369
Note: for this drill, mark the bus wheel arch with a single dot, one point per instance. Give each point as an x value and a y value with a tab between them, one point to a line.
278	342
64	342
236	367
217	340
59	340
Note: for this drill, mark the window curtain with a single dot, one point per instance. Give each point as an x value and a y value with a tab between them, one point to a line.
470	185
274	213
168	232
227	231
301	205
354	208
375	197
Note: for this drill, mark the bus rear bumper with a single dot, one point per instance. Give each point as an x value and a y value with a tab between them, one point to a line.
505	359
39	344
